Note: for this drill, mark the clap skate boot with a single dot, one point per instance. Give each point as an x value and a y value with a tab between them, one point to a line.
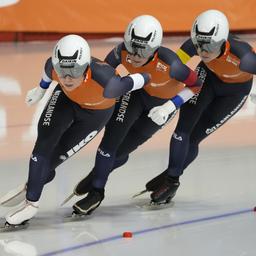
19	217
153	184
88	204
165	192
82	187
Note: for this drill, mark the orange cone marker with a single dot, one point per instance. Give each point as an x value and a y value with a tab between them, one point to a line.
127	234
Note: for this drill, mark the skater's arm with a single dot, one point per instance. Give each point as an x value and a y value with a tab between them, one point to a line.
36	94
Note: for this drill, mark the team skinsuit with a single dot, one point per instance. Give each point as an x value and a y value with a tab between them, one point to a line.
69	121
130	125
227	83
79	107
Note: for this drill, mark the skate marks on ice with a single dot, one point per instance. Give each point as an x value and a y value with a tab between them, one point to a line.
65	215
137	231
44	221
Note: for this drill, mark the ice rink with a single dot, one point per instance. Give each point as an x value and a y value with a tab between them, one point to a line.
212	213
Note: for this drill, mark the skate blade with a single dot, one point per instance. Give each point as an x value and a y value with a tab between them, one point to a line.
13	228
67	199
146	204
11	198
75	217
140	193
159	206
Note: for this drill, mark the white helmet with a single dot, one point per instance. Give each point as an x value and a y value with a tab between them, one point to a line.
143	36
210	31
71	56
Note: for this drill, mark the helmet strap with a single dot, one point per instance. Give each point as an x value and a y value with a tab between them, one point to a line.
151	57
223	49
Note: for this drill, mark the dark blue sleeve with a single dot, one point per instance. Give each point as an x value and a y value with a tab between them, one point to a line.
102	72
114	57
248	63
178	70
48	67
189	48
245	52
114	85
118	86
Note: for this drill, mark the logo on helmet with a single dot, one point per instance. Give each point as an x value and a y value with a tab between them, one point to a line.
67	61
204	37
139	42
143	36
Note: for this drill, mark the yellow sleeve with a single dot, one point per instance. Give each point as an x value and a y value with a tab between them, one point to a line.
183	56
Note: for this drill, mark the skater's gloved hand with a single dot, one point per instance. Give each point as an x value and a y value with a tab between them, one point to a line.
253	97
160	114
34	95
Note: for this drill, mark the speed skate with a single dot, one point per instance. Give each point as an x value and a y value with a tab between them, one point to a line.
72	217
6	227
147	204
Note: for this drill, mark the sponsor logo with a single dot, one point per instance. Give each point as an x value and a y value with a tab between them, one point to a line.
50	108
81	144
123	107
68	62
222	121
103	153
34	158
161	67
232	60
201	73
194	98
176	137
